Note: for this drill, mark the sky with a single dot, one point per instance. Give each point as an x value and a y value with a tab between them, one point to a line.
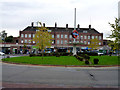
16	15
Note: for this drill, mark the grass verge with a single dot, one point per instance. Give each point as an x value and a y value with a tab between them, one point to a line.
62	60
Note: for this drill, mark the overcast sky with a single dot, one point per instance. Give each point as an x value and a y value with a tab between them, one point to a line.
15	15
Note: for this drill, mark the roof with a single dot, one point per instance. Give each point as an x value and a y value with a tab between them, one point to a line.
60	29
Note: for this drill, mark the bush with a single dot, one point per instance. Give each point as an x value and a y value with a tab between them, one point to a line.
80	58
70	54
32	55
64	54
86	62
57	54
8	56
96	60
88	53
87	57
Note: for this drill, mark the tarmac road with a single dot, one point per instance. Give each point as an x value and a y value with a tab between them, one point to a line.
60	76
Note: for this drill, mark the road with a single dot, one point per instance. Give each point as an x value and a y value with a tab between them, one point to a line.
60	76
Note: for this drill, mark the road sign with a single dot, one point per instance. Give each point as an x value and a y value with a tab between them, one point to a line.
75	34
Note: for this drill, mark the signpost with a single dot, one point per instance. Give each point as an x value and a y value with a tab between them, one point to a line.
74	34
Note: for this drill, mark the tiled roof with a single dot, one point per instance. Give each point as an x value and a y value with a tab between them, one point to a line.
59	29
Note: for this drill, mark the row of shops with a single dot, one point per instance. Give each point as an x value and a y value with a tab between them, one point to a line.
32	49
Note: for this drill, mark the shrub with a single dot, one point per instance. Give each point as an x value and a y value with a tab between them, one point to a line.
86	62
87	57
71	54
32	55
57	54
96	60
88	53
8	56
80	58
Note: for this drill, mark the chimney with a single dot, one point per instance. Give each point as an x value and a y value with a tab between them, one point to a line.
32	24
55	25
78	26
89	27
66	26
43	24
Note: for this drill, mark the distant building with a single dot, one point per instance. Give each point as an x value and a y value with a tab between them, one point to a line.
62	36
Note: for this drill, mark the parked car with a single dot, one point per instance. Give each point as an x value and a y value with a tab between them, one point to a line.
100	53
1	53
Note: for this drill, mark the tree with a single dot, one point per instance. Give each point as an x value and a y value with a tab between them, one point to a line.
3	35
42	38
115	34
94	44
9	39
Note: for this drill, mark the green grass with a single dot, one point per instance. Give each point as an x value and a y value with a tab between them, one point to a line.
106	60
62	60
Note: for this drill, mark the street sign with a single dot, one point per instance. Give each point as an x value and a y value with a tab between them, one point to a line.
75	34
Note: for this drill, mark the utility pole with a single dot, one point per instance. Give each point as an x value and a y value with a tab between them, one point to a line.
74	42
74	23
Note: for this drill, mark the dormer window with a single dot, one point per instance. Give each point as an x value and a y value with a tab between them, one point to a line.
49	30
37	30
84	31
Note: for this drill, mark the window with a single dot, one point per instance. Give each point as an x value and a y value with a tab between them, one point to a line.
85	42
25	35
37	30
81	41
61	41
52	41
57	41
22	35
25	41
33	35
96	37
88	43
88	37
21	41
65	41
29	35
70	41
84	31
70	36
77	41
33	41
65	36
58	36
52	36
29	41
99	37
85	37
61	35
99	43
92	37
81	37
49	30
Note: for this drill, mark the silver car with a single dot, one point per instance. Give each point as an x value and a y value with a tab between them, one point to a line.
1	53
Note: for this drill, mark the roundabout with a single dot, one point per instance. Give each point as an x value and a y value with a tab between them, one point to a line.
34	76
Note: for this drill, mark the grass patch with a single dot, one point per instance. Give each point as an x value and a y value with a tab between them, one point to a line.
62	60
106	60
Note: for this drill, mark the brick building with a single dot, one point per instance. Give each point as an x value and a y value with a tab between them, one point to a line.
62	36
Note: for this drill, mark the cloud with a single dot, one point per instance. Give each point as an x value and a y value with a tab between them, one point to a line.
18	14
